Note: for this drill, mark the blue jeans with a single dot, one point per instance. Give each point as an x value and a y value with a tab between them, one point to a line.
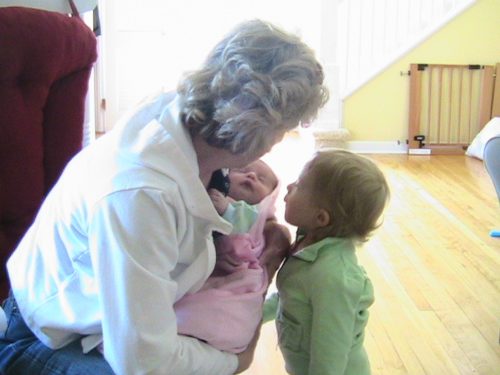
21	352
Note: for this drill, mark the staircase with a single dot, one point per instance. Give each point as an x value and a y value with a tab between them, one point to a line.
354	39
372	34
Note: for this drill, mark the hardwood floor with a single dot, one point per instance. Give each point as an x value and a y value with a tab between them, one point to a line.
435	269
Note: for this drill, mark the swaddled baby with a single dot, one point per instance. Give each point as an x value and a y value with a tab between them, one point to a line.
226	311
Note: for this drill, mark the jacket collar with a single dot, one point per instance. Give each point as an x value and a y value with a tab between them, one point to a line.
155	138
310	253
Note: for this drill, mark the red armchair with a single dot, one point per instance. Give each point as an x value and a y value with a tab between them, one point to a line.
45	64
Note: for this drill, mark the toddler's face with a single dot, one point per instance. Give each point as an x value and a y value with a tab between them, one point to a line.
300	207
252	183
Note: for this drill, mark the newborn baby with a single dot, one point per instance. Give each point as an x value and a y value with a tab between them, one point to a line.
248	186
227	309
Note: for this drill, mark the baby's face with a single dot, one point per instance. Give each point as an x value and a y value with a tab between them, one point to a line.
252	183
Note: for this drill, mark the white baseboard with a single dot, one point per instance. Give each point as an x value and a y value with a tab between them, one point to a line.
377	147
419	151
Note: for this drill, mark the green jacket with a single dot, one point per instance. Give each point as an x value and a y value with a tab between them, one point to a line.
321	310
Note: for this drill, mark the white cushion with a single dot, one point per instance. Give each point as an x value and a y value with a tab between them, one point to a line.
490	130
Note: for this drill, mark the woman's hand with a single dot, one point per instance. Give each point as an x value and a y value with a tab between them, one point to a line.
245	358
278	242
219	200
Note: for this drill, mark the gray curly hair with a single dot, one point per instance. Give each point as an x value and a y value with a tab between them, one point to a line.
256	83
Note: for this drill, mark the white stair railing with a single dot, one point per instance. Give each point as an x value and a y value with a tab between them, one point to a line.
373	34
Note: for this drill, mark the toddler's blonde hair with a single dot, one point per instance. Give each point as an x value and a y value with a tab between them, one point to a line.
352	189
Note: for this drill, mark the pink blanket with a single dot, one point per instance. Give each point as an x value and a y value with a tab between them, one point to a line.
226	311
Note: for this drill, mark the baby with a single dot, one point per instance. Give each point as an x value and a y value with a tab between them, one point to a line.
321	308
227	310
248	186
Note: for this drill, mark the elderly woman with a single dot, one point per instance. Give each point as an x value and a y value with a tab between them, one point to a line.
127	230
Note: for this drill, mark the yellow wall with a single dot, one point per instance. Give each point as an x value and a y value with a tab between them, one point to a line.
378	111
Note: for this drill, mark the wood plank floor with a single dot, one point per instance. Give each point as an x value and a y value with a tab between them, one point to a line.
435	269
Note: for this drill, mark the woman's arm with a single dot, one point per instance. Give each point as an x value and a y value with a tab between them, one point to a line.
278	241
135	243
245	358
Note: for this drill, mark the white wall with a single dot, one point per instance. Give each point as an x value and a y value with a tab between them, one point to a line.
149	44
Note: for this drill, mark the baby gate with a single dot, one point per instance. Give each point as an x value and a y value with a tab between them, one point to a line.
449	105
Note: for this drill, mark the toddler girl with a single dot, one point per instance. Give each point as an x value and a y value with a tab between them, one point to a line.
321	308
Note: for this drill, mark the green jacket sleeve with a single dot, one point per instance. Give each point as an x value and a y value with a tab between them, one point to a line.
270	308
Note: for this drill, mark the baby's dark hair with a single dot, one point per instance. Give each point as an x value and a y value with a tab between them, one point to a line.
352	189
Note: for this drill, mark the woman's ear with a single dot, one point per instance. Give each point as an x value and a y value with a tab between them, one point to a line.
323	217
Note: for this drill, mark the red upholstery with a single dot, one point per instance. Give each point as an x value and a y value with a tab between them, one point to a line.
45	64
